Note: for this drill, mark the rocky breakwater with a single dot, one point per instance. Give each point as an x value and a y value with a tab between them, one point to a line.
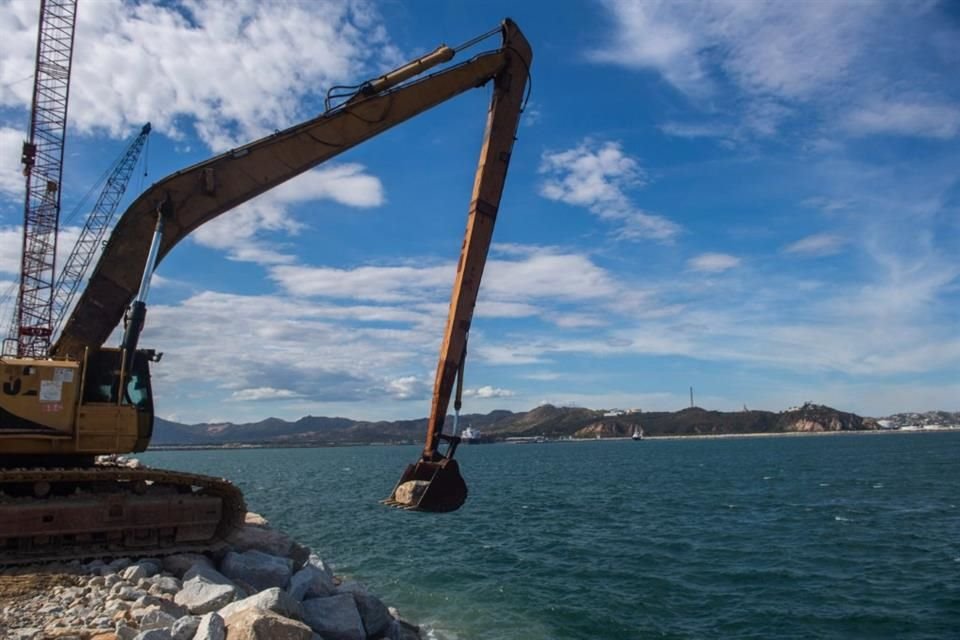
262	586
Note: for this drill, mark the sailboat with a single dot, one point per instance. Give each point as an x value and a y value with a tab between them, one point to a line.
637	434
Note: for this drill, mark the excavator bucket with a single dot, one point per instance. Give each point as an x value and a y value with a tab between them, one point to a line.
437	487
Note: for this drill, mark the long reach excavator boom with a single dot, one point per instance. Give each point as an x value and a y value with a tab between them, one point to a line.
58	413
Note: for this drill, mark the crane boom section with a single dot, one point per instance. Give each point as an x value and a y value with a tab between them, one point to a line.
202	192
43	167
98	221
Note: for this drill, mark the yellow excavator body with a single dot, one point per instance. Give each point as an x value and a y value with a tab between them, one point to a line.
61	408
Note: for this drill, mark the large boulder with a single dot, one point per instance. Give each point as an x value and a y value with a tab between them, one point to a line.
252	537
260	624
154	602
211	627
165	584
185	628
334	617
311	582
257	569
273	599
179	563
205	590
375	615
156	619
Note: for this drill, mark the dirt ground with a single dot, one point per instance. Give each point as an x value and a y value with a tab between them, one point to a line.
15	584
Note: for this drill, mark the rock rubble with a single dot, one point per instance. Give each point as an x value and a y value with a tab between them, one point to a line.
264	587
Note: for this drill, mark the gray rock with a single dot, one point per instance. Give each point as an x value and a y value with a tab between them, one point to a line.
334	617
316	561
260	624
152	566
211	627
260	538
351	587
375	615
134	573
405	631
156	619
166	584
310	582
273	599
205	590
146	603
93	567
185	628
257	569
119	564
127	593
179	563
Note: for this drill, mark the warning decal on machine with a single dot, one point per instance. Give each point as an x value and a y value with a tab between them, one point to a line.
62	374
50	391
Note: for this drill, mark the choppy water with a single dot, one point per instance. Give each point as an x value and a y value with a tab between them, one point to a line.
805	537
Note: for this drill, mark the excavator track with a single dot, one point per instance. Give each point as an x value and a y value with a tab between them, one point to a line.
112	510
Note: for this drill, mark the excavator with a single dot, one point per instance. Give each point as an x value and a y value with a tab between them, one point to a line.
61	414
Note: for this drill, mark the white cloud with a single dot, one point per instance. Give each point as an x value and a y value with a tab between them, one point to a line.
760	62
300	350
407	388
695	129
11	171
232	74
713	262
820	244
789	49
381	284
488	391
596	177
514	288
237	230
262	393
926	120
11	246
546	275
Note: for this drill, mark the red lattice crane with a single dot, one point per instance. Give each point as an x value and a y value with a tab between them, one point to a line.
43	167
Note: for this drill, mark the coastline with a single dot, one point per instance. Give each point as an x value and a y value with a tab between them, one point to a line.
324	445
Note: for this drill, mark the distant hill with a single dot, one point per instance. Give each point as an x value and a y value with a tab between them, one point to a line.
546	420
927	419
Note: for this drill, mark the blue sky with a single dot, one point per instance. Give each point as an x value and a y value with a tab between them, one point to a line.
756	199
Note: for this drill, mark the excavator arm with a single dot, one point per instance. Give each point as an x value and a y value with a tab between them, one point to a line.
202	192
198	194
434	483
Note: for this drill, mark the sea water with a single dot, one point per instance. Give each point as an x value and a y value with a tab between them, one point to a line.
846	536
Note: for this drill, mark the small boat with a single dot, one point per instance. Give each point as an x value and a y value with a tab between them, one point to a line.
637	434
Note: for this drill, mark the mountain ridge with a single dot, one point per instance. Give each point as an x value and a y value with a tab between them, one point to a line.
546	420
